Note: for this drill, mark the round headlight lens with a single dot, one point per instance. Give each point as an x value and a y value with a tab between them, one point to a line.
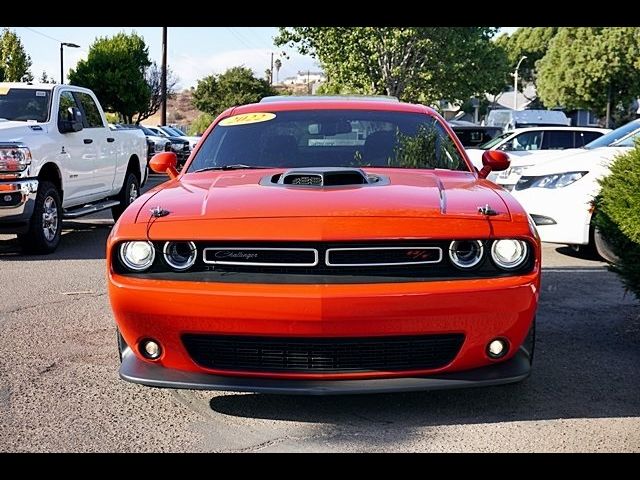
137	256
466	254
180	255
509	254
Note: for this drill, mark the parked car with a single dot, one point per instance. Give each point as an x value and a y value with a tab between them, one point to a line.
175	131
179	145
321	246
558	194
59	159
508	119
155	143
472	135
526	145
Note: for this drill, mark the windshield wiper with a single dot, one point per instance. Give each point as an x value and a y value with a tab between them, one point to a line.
237	166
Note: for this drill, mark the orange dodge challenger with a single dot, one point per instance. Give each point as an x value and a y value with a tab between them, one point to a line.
325	245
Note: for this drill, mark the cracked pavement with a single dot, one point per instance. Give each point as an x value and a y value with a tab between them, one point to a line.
60	390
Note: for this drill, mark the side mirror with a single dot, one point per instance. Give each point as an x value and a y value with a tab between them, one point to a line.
493	161
73	122
165	162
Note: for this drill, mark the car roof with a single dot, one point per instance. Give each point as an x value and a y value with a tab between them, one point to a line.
579	129
337	102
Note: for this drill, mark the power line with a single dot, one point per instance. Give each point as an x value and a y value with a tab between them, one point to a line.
50	37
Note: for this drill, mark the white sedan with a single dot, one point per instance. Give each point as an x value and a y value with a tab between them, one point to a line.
532	145
558	194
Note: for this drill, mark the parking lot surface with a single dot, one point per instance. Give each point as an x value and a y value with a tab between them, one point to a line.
60	390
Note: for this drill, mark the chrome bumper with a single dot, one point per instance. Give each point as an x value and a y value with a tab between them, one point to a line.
17	199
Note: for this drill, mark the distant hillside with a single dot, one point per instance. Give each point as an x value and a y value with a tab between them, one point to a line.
180	111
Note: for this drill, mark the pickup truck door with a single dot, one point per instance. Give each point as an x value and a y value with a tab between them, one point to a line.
76	157
102	141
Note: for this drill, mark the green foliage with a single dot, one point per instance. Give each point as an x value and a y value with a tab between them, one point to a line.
200	124
236	86
422	64
585	66
618	216
115	70
428	148
15	64
531	42
112	117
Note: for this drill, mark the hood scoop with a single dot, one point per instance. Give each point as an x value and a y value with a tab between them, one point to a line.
324	177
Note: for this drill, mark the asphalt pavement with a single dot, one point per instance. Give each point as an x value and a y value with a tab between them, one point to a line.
60	390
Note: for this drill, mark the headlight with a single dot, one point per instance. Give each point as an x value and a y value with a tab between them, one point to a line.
14	159
556	180
180	255
466	254
137	256
509	254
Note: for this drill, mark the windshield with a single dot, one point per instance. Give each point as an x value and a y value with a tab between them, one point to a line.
23	104
329	138
494	141
610	138
147	131
177	131
170	131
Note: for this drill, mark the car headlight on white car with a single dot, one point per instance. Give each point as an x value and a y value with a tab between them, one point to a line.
14	159
555	180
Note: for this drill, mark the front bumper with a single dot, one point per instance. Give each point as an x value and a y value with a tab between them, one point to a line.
570	212
516	369
17	208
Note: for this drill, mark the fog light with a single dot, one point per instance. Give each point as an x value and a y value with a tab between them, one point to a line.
150	349
497	348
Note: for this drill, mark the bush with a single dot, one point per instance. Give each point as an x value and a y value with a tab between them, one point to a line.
200	124
618	216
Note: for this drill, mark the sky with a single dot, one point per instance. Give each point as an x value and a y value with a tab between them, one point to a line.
192	53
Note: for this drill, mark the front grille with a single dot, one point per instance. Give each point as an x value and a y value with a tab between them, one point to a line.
382	256
278	257
323	355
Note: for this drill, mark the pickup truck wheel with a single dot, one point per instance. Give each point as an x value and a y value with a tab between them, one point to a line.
130	191
45	226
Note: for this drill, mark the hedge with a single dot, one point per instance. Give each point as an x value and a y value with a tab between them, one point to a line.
618	216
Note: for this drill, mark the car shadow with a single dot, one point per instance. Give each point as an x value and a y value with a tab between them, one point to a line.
81	240
585	366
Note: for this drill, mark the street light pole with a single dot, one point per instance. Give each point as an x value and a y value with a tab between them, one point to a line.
62	45
515	84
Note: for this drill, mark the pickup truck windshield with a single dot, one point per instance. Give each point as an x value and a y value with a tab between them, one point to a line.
329	138
22	104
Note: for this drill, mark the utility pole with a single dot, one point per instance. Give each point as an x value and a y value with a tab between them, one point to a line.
515	84
608	106
163	79
308	84
271	71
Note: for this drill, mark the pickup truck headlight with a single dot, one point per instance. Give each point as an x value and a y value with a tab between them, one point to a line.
556	180
14	159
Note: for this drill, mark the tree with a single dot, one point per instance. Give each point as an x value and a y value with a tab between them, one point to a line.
594	68
200	124
44	78
236	86
153	77
531	42
278	65
115	70
423	64
15	64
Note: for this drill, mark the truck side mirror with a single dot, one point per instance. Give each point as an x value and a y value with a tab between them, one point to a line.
73	122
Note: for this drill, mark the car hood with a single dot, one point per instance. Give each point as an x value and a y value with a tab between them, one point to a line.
240	194
11	131
582	160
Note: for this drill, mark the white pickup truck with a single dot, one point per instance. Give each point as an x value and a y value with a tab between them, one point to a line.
60	160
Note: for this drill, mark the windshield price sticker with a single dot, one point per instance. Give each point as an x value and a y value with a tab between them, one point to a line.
247	118
4	90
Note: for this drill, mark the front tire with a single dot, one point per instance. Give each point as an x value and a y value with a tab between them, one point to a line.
45	226
130	191
603	247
